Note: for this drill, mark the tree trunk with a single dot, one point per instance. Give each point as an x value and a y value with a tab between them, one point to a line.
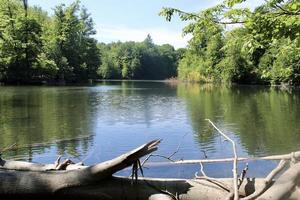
23	179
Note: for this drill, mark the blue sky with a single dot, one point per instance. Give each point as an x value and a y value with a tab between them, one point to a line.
132	20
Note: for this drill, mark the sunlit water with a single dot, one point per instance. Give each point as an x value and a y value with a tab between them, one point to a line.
96	123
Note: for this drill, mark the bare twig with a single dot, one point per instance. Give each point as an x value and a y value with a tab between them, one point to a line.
293	155
165	157
57	162
62	166
202	170
204	153
210	179
267	181
156	155
234	170
242	176
134	173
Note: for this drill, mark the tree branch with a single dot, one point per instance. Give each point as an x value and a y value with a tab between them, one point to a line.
289	156
285	11
211	180
285	185
267	181
234	170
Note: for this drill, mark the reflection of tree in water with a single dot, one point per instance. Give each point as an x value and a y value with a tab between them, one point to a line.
201	106
135	103
264	119
33	115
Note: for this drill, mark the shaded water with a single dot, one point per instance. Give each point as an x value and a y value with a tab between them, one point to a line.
96	123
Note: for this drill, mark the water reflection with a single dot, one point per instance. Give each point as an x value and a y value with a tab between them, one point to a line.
264	120
97	123
31	115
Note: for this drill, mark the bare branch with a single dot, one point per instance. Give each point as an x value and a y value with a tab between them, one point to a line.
165	157
296	155
229	22
267	181
234	170
285	186
243	175
211	180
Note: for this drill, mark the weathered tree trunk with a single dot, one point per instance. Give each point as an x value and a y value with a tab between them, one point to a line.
96	182
39	181
286	186
145	188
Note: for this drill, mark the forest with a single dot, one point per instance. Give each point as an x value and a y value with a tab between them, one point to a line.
232	43
229	44
36	47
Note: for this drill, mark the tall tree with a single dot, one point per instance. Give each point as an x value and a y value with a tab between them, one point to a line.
275	23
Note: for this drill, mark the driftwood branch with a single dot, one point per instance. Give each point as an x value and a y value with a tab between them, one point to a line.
293	155
267	181
285	186
234	170
165	157
243	175
35	180
210	179
97	182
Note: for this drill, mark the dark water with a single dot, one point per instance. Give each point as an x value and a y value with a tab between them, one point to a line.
96	123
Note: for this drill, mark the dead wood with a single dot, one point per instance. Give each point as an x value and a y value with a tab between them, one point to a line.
290	156
235	160
267	181
286	186
75	181
34	180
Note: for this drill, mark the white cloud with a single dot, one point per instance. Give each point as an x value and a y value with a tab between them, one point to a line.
123	33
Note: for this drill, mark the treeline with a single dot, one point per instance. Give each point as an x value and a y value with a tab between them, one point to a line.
36	47
138	60
232	44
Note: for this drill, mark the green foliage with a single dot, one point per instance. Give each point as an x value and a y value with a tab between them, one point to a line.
264	47
20	42
281	63
138	60
36	47
73	29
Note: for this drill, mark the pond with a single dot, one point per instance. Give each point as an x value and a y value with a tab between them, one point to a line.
96	123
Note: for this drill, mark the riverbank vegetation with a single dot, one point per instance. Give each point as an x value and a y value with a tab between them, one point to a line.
235	44
36	47
138	60
229	44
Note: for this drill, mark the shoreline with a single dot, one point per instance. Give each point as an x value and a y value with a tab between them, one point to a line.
171	81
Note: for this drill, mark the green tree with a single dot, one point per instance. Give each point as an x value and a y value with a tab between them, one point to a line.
137	60
254	52
21	42
76	53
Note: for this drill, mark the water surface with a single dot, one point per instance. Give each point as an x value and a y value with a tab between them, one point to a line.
96	123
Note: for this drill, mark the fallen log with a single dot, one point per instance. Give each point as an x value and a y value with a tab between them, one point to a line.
37	180
290	156
285	186
96	182
120	188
